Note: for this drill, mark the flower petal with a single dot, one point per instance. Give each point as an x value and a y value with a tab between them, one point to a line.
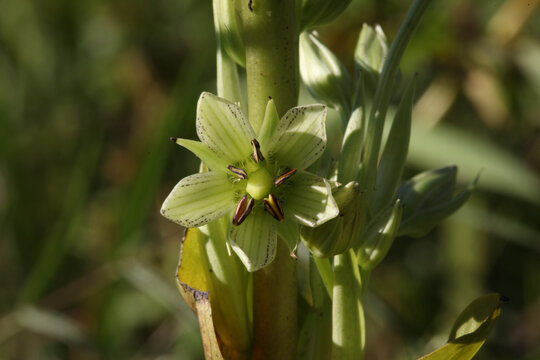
290	233
300	137
255	240
223	127
199	199
269	125
203	152
309	199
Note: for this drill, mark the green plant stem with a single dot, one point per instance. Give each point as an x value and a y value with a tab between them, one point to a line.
271	56
348	325
271	66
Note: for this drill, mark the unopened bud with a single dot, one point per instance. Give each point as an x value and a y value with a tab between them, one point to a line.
325	76
428	198
379	236
371	49
320	12
227	23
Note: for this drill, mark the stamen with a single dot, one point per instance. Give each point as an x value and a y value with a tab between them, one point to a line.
257	154
243	209
272	206
281	178
241	173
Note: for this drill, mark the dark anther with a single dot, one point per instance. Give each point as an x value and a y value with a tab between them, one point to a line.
250	5
281	178
243	209
257	154
272	206
241	173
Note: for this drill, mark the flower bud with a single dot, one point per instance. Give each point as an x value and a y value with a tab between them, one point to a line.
371	49
320	12
428	198
427	189
324	75
345	194
379	236
323	241
328	240
370	54
227	23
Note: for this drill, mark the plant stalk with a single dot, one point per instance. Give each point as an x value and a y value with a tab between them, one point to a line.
271	46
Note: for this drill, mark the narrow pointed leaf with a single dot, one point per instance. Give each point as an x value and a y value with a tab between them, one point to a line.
223	127
204	153
255	240
300	137
310	200
199	199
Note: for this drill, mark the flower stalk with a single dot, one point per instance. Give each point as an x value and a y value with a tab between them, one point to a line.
271	40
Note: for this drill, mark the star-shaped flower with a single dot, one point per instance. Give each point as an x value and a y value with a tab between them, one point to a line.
259	180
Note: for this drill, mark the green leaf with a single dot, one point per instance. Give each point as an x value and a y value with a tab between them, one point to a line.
300	138
309	199
199	199
204	153
255	240
223	127
470	330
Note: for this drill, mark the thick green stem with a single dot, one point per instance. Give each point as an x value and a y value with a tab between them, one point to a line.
271	66
271	56
274	308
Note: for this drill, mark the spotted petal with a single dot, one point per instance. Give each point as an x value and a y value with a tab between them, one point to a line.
300	137
223	127
309	200
199	199
255	240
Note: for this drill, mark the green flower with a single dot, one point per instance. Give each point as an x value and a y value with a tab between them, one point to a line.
263	188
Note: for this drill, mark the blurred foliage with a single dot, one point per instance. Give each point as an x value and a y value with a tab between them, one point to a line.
91	90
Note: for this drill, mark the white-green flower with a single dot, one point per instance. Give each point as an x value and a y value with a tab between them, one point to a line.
262	187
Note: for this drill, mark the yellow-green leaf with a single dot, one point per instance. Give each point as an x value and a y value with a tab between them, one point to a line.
470	329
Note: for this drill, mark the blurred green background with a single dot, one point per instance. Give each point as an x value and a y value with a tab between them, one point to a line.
90	92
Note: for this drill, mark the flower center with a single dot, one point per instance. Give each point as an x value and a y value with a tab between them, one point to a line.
259	183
